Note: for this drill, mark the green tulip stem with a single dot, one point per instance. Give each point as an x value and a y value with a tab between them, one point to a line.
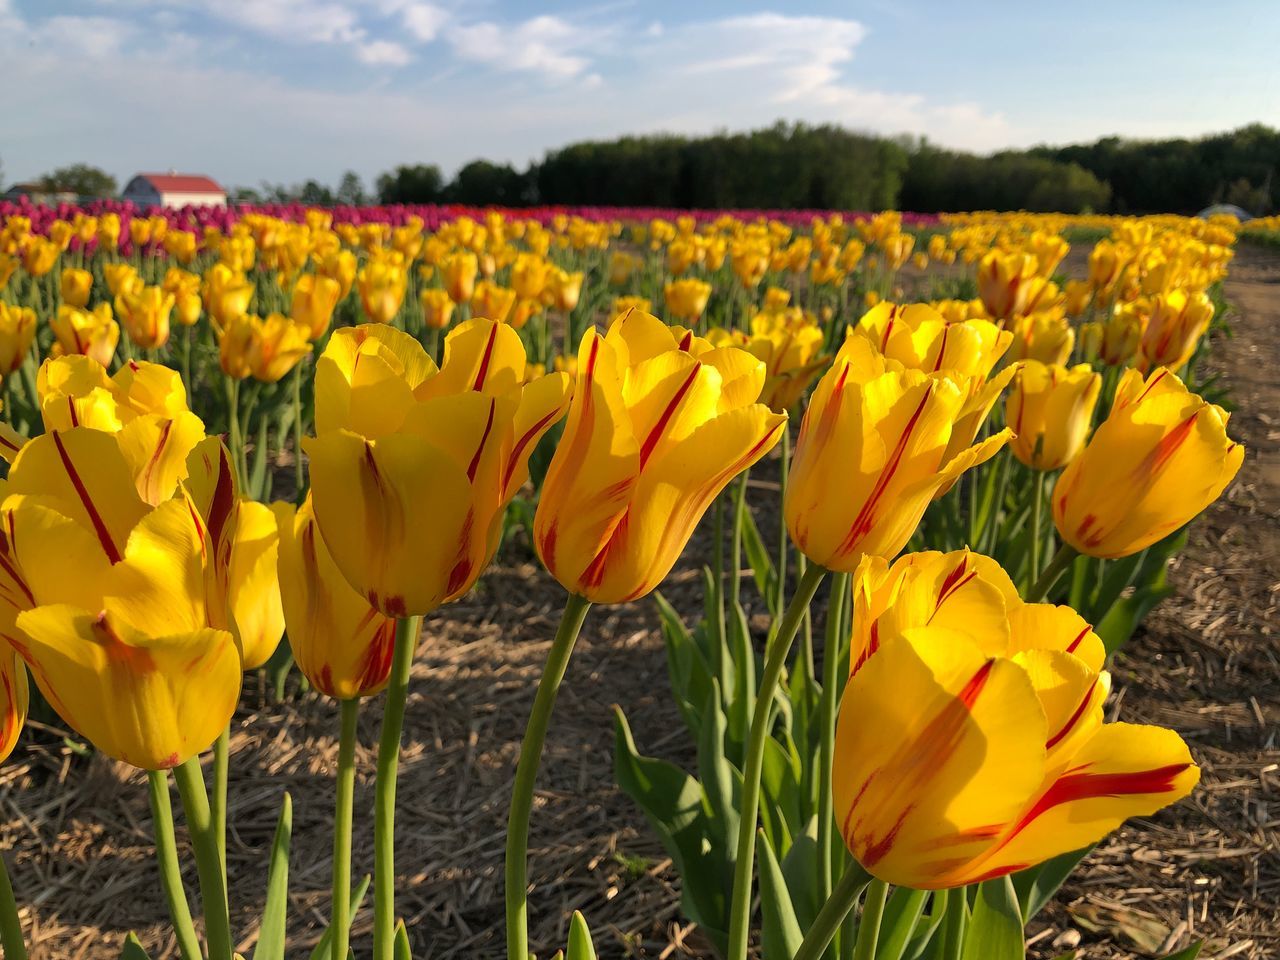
872	917
213	890
535	735
10	923
234	439
832	644
1037	525
784	541
775	658
1049	576
344	801
833	912
955	922
384	801
170	872
221	771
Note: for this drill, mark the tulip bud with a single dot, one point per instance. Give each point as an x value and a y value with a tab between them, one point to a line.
1050	410
1161	456
75	285
637	468
1000	757
341	644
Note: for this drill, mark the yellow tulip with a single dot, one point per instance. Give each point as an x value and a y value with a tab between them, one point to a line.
897	249
15	597
144	404
1174	327
999	758
109	231
1006	282
339	265
492	301
966	351
241	583
653	435
40	256
623	305
180	245
146	316
437	308
341	644
14	696
1161	456
524	309
75	285
381	283
1079	297
529	274
412	467
792	357
93	334
61	234
873	450
1046	336
566	289
459	272
139	232
314	298
122	649
621	266
1050	410
227	295
17	332
687	299
8	264
120	277
1122	333
264	349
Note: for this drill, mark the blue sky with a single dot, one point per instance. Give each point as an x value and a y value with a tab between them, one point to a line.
283	90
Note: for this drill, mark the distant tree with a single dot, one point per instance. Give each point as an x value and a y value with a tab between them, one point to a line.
351	190
245	195
79	178
314	192
1255	200
415	183
481	182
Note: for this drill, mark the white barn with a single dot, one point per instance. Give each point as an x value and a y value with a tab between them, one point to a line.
174	190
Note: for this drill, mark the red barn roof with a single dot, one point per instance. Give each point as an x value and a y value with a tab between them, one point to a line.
181	183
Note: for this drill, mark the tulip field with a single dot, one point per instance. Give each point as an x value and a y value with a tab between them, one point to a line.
440	582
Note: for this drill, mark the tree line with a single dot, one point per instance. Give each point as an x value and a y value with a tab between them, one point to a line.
800	166
792	166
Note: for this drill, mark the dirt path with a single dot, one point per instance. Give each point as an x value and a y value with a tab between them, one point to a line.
77	832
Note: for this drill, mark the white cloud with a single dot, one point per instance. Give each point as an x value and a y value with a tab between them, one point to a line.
423	21
295	21
383	53
93	37
547	45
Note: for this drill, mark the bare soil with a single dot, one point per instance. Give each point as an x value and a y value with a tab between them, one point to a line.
76	829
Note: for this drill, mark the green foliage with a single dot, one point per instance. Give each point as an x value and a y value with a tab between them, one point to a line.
481	182
1183	176
412	183
944	180
271	935
786	165
995	927
132	949
82	179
